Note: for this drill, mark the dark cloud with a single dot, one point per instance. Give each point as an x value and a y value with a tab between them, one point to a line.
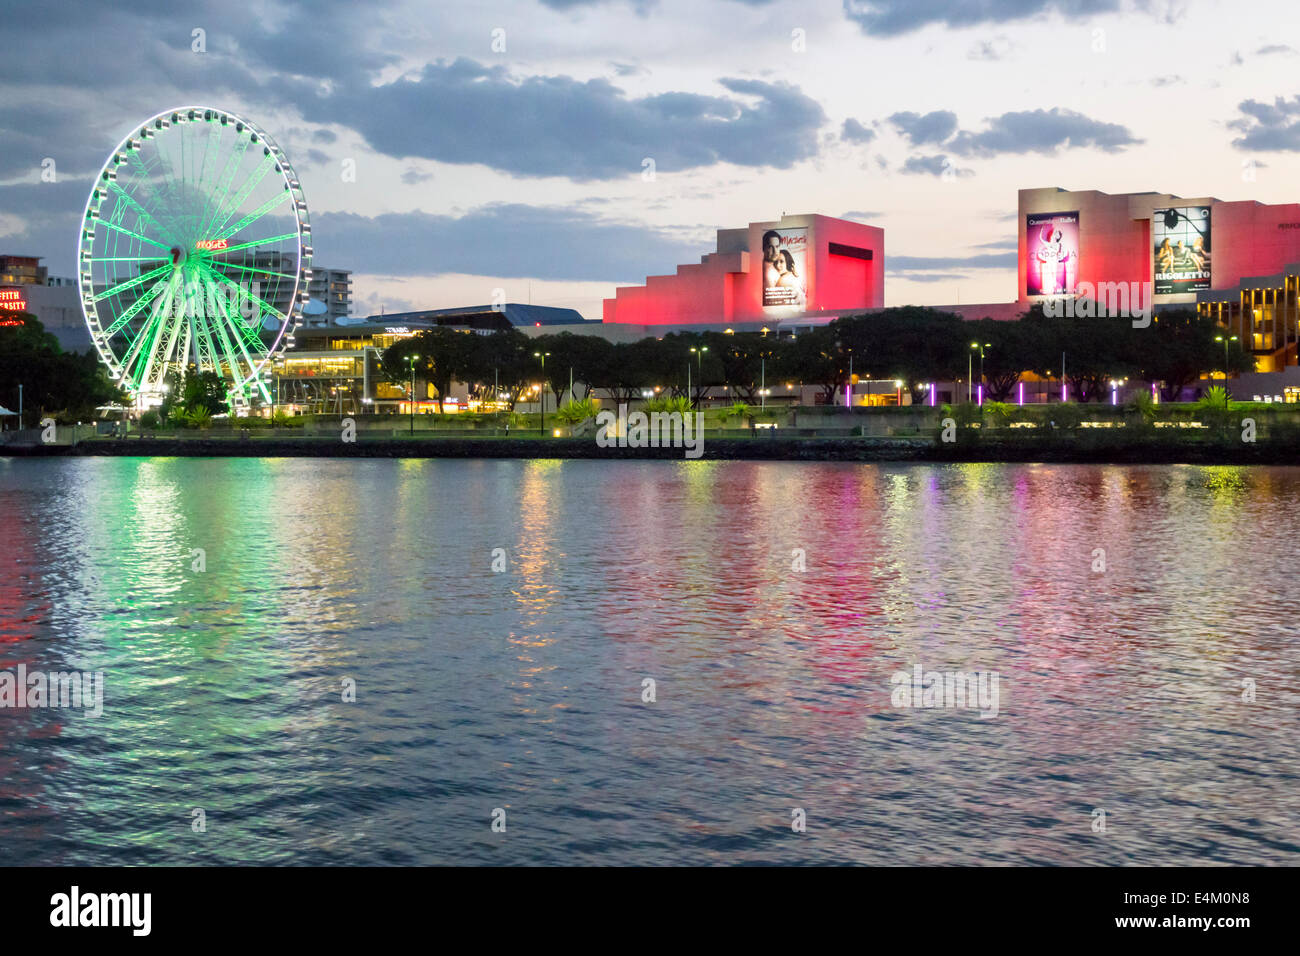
500	240
1270	48
466	112
861	216
936	165
893	17
413	177
1041	131
1268	126
922	128
104	67
855	132
50	214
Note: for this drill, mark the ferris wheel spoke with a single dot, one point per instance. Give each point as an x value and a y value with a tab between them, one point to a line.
255	215
141	213
204	350
243	268
149	258
252	244
227	178
183	352
235	204
148	356
229	346
161	306
165	344
165	163
250	296
132	283
142	182
211	153
120	322
134	235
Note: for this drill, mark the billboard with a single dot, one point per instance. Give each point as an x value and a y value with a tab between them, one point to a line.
785	277
1052	244
13	300
1181	241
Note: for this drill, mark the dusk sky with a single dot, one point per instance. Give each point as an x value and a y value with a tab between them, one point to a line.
522	168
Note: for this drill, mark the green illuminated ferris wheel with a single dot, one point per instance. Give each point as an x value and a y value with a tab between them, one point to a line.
195	252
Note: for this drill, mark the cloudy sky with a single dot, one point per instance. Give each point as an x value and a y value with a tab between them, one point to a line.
509	144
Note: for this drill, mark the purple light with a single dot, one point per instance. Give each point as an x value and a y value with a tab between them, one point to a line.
981	395
1021	399
1065	391
932	393
1112	395
1155	393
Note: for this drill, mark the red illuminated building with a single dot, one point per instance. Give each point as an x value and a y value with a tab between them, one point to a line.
768	273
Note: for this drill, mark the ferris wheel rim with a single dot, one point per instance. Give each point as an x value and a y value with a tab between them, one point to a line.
88	232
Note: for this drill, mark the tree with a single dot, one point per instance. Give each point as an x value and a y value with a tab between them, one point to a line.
1009	351
68	385
204	391
627	371
445	356
911	344
1179	346
1097	349
740	354
813	358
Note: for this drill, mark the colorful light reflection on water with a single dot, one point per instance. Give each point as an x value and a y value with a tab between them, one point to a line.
1121	690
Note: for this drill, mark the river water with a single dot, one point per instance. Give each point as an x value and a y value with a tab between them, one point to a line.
1139	622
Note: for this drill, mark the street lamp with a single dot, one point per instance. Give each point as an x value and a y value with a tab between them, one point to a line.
1225	341
980	347
700	357
410	360
542	397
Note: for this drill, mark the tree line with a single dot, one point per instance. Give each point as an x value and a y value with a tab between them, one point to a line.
911	344
68	386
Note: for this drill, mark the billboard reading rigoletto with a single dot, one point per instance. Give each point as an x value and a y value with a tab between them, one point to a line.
1181	238
784	276
1052	240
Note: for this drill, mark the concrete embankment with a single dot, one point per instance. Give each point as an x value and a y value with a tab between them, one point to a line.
1064	448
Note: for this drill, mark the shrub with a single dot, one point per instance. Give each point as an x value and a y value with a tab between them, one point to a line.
1214	406
197	417
149	420
579	410
1143	405
738	410
999	414
1065	414
662	403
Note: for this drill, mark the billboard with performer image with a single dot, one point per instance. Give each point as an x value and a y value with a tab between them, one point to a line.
1052	243
784	276
1181	242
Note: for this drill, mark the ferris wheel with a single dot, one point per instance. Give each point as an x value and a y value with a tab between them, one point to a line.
195	252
